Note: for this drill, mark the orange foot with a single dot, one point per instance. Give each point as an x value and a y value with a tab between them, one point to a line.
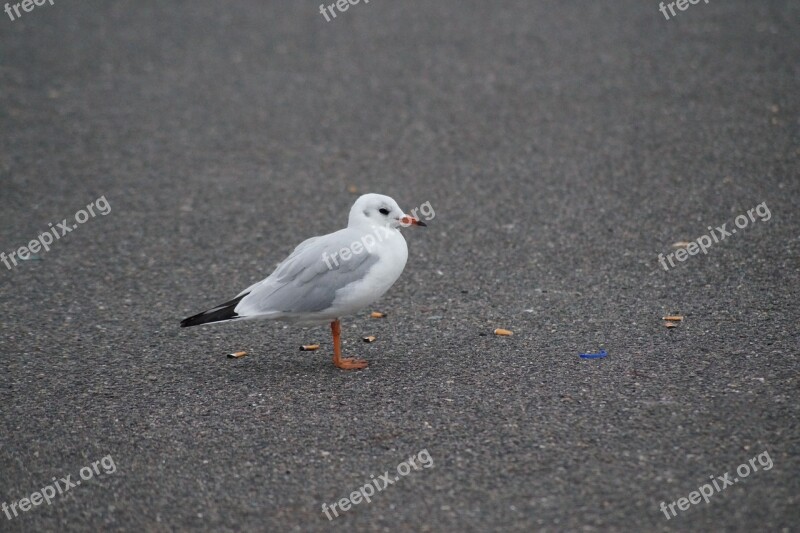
351	363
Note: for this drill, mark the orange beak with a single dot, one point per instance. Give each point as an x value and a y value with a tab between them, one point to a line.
408	220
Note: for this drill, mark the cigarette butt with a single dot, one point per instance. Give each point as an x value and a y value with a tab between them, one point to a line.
681	244
236	355
503	332
676	318
309	347
671	324
369	338
377	314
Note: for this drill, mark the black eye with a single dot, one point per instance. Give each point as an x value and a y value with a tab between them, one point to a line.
383	211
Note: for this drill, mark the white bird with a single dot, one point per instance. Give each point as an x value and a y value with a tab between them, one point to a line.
328	277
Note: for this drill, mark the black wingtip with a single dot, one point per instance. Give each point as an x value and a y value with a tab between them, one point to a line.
190	321
220	313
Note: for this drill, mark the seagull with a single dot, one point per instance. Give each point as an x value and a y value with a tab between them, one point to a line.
330	276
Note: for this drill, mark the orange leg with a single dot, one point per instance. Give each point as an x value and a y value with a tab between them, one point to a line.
347	363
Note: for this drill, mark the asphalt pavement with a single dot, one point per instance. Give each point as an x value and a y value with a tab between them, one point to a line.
561	145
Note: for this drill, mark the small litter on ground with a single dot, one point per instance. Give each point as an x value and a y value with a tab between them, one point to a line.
599	355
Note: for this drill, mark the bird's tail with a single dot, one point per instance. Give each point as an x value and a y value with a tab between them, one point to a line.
220	313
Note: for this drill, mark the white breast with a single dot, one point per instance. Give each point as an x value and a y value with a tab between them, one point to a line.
392	253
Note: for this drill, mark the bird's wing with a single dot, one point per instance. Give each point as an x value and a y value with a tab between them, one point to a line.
305	282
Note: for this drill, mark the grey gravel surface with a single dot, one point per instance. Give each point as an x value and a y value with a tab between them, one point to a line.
563	145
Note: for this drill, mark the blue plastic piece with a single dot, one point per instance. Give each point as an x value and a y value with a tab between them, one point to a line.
599	355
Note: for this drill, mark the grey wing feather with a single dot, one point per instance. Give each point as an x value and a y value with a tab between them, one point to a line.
304	282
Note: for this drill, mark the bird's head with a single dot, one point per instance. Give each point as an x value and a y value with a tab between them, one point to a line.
379	210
